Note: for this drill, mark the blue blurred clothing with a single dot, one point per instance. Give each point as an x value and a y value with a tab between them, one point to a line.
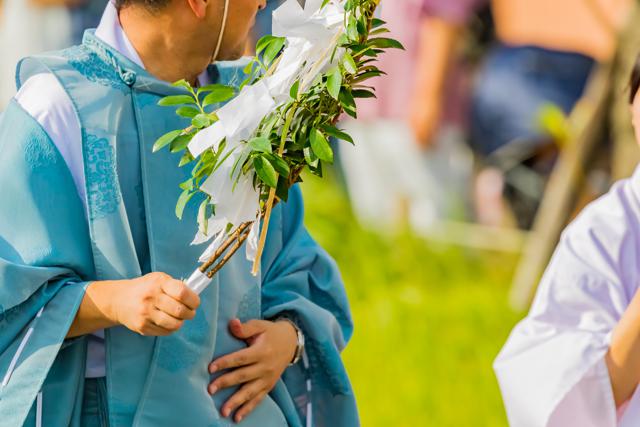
264	19
513	86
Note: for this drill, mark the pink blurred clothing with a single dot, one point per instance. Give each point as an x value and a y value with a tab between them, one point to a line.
403	18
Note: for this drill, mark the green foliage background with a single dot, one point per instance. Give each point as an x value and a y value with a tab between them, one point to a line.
429	318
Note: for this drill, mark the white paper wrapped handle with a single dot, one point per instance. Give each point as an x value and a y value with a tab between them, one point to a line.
198	282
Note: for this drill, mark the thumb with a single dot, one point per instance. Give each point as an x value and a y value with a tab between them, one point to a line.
246	330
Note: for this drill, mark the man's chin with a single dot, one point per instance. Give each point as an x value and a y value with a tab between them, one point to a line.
231	55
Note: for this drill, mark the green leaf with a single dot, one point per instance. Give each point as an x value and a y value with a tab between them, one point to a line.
180	143
175	100
348	103
182	202
263	43
294	90
352	28
274	48
182	83
187	185
362	93
385	43
218	93
166	139
379	31
362	27
310	156
376	22
201	121
186	159
279	164
261	144
249	67
270	123
282	191
334	82
349	63
188	112
367	75
203	212
316	169
265	171
320	146
337	133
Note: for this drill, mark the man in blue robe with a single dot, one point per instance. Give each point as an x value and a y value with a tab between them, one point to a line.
96	329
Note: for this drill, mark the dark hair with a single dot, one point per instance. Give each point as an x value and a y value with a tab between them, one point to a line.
149	4
634	83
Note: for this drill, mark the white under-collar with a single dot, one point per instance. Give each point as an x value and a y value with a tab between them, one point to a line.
111	32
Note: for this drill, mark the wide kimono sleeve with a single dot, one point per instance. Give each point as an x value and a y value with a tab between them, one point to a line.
552	370
301	280
45	258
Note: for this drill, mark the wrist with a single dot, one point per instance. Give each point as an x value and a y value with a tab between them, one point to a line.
296	339
104	294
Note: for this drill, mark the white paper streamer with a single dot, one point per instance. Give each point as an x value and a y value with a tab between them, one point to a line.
213	247
207	138
252	239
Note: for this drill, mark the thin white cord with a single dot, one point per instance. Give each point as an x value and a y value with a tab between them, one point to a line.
16	357
305	363
39	410
222	30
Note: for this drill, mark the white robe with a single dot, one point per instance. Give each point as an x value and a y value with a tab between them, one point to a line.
552	370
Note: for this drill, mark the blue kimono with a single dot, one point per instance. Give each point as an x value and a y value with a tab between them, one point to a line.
52	244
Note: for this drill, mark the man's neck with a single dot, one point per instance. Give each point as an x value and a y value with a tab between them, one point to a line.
166	54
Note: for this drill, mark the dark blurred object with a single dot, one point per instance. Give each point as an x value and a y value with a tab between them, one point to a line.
84	16
263	19
513	87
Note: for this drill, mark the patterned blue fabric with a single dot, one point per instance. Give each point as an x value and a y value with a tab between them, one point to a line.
101	172
51	252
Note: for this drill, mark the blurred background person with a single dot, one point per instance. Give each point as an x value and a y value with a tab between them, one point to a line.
544	53
33	26
388	178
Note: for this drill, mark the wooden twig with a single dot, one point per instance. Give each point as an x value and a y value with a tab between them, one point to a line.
229	254
272	192
232	237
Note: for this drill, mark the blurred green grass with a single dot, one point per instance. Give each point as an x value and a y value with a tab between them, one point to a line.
429	319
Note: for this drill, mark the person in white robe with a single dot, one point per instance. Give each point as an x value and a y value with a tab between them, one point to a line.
575	359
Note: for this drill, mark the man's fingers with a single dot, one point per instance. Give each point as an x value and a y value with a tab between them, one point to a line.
235	377
174	308
152	330
164	321
240	358
177	290
246	393
246	330
248	407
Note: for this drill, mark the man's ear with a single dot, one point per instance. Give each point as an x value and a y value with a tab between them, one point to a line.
199	7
